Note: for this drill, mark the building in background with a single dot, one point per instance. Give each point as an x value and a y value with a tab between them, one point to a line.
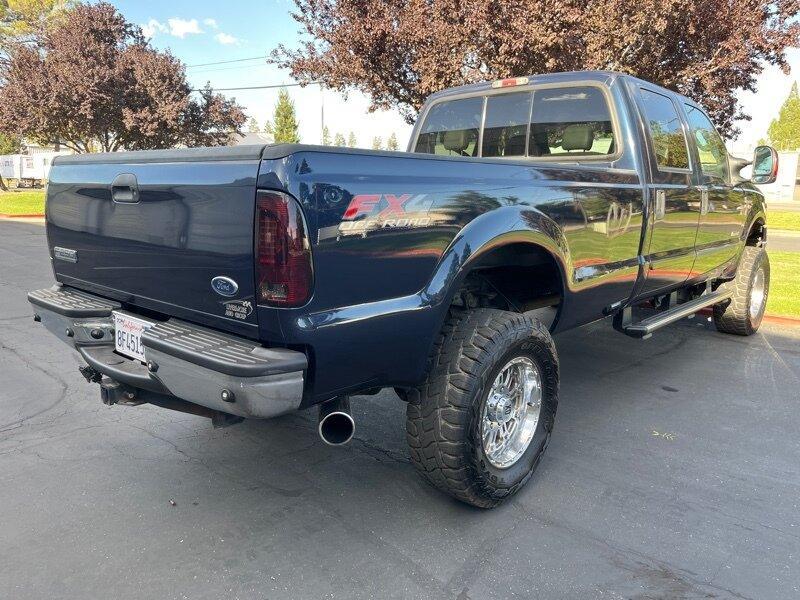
253	138
786	188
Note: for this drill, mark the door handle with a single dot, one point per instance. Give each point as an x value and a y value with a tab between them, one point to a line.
703	189
125	188
661	205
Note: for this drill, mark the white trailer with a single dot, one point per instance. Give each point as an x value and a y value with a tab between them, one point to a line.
28	169
786	188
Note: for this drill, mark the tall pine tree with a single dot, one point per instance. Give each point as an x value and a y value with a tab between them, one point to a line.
784	132
284	125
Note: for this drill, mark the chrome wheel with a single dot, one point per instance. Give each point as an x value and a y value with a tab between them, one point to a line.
758	293
510	413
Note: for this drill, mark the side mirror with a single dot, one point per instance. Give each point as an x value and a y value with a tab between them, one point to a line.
765	165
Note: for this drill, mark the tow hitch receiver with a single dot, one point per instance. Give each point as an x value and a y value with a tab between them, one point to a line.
113	392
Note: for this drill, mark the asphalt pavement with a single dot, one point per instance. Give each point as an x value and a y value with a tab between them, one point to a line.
673	472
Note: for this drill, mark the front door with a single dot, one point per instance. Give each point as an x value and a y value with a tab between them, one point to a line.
673	199
722	205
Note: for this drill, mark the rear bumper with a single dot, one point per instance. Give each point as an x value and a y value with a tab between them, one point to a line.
199	365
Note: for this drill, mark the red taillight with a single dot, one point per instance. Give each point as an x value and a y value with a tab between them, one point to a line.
283	252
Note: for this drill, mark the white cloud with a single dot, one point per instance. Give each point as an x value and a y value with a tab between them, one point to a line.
211	23
152	27
225	39
180	28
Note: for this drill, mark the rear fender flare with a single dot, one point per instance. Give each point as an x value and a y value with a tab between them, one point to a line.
488	232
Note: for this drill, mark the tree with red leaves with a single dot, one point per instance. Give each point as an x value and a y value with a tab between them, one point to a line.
400	51
91	82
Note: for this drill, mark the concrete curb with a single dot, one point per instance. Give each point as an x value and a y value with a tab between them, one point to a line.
22	216
772	319
778	320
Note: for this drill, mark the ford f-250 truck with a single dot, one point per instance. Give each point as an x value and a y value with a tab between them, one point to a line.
254	281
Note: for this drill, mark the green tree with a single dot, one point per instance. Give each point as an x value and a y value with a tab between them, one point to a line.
391	143
326	136
9	144
377	143
784	132
26	21
284	125
338	140
252	125
351	140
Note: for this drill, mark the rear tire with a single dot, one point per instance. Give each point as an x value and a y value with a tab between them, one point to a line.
478	448
743	313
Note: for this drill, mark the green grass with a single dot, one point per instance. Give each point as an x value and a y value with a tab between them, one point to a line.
784	284
783	220
22	203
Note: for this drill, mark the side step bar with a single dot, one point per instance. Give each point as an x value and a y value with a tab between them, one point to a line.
646	327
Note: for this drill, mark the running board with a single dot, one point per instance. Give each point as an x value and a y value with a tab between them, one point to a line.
646	327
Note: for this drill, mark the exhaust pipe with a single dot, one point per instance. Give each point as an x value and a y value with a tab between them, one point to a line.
336	424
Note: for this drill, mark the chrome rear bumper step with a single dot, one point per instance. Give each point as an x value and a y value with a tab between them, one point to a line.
222	372
73	303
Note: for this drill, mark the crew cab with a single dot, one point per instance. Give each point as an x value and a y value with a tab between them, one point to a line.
249	282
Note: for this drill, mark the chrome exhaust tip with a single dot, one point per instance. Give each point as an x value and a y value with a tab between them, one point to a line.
336	425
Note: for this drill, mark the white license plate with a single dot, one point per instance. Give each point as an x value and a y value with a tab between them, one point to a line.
128	332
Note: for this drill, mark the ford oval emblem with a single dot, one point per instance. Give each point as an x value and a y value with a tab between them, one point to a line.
224	286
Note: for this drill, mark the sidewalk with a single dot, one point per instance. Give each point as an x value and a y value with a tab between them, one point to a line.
784	206
37	219
788	241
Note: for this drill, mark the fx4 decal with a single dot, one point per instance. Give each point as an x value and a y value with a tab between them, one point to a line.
369	212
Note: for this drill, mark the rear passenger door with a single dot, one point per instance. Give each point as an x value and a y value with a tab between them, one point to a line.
721	215
672	198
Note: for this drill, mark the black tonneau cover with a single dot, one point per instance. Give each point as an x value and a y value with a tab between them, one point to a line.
215	154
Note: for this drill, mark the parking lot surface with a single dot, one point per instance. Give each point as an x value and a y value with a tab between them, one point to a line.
673	472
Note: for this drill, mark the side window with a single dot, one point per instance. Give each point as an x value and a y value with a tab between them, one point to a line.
713	155
665	128
571	122
506	126
451	128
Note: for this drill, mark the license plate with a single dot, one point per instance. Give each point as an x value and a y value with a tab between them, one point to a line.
128	335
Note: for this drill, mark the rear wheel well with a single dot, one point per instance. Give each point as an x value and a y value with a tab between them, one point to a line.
517	277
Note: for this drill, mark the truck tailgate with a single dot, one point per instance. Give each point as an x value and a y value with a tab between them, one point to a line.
153	229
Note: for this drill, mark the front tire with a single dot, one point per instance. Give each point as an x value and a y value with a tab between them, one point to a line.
743	313
482	420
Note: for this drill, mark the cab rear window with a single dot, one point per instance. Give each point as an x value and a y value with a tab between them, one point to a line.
451	128
571	122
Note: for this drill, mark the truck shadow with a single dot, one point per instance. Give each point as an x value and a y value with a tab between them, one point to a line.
606	378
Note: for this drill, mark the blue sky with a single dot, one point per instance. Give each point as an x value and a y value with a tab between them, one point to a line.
202	31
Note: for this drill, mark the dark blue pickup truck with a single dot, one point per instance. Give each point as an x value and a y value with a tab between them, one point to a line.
255	281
